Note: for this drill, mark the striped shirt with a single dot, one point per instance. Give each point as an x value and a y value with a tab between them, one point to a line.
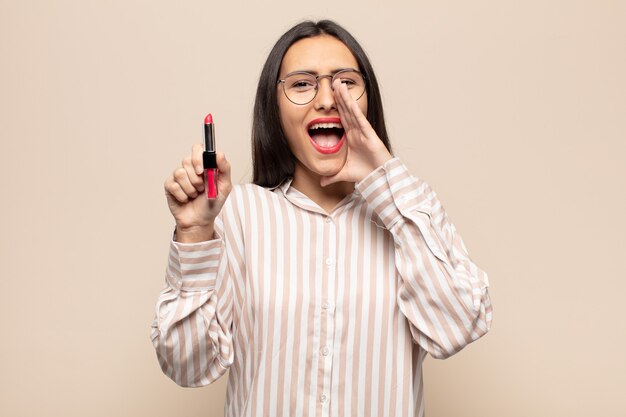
317	313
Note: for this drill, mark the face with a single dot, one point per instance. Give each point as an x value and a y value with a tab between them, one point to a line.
319	55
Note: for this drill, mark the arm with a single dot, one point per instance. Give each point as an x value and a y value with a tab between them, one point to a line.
442	293
191	331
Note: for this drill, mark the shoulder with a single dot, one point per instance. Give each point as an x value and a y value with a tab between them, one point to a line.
250	189
244	203
242	196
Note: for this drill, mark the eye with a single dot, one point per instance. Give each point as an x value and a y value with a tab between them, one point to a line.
302	84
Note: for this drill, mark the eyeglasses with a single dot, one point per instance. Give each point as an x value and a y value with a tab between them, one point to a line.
300	87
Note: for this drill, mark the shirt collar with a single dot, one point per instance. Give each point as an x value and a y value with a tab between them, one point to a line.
284	186
300	199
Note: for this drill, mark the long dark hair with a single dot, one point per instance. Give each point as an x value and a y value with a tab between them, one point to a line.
272	160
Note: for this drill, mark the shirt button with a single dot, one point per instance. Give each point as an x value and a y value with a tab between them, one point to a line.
325	351
323	398
329	261
328	220
326	305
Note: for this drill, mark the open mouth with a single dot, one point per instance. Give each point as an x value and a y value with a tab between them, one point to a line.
327	139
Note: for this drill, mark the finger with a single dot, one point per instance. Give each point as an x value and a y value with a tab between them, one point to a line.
197	180
337	93
172	188
222	164
182	178
224	169
349	104
338	99
196	158
346	119
357	117
361	120
343	115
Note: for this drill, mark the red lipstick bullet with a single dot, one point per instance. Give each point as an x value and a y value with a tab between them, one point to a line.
209	158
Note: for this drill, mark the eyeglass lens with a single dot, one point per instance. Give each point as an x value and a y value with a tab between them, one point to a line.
301	88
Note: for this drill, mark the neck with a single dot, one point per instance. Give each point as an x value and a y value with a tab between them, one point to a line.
308	183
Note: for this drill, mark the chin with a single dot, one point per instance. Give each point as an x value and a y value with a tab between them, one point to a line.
317	163
330	166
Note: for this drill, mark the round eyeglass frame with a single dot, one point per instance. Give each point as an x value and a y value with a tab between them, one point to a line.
317	83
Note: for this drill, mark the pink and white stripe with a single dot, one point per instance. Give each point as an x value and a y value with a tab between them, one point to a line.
317	313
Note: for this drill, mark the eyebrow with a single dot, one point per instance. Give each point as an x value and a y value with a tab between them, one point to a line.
333	72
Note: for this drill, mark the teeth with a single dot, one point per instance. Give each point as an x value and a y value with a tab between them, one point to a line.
326	125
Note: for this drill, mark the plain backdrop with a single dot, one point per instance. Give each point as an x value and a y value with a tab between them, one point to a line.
513	111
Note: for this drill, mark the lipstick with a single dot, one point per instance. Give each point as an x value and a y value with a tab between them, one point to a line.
323	149
209	159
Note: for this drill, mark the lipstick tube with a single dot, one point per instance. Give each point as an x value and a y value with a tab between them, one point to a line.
209	158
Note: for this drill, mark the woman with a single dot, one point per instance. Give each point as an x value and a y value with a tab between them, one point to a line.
324	283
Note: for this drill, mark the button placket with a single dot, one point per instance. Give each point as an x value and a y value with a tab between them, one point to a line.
326	313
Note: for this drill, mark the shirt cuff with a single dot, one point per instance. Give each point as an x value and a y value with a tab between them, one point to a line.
393	192
193	266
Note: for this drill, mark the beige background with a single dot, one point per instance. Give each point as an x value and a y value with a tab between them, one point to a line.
513	111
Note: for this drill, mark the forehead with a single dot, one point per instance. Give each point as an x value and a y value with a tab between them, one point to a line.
322	54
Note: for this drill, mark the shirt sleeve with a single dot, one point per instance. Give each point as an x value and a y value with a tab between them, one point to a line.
442	292
192	327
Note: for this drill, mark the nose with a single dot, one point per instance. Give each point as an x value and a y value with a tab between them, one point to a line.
325	97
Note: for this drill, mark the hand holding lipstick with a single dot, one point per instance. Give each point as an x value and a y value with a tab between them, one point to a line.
187	201
366	151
